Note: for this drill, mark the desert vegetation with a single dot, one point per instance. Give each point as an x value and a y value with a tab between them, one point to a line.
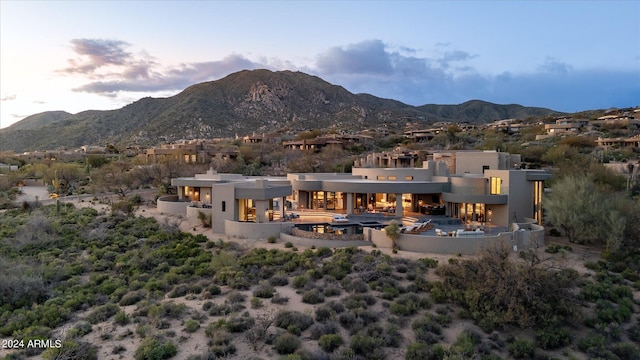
116	284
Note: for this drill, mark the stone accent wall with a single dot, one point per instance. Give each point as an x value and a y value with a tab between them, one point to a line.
326	236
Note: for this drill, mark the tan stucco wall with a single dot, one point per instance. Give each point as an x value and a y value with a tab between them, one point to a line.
170	205
300	241
533	237
192	214
226	193
251	230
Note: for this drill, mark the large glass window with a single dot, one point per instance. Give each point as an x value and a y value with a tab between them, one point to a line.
538	187
495	185
247	210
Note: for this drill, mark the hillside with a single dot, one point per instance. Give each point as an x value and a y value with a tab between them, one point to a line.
242	103
110	286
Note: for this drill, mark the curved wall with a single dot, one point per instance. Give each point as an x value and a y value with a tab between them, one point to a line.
170	205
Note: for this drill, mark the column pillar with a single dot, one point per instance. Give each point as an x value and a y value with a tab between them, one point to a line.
350	203
399	209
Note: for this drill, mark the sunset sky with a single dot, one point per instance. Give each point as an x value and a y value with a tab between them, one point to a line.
97	55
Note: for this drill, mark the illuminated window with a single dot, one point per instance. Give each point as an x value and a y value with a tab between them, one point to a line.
391	178
408	177
495	185
380	177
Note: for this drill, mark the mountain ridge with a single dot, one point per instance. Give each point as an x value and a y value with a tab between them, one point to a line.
242	103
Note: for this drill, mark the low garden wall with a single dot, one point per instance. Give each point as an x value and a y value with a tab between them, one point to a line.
192	214
252	230
305	241
325	236
524	236
170	205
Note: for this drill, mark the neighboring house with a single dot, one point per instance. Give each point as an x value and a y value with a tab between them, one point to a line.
565	126
194	152
247	205
632	142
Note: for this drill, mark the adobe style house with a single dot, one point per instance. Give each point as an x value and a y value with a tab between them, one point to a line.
486	187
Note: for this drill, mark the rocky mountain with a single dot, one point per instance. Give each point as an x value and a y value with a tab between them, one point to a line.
246	102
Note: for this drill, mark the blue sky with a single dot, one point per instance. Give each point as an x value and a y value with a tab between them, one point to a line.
98	55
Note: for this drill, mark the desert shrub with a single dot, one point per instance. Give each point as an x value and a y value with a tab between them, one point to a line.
263	291
236	297
279	280
521	348
553	338
312	297
323	313
332	291
154	348
409	304
133	297
237	324
256	303
354	284
323	252
288	244
465	344
319	329
425	327
272	239
625	350
293	319
363	345
278	299
81	329
121	318
102	313
388	335
179	290
330	342
496	291
300	281
72	349
191	326
287	344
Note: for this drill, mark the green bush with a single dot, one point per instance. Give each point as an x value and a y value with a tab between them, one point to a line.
287	344
330	342
300	281
279	280
521	348
363	345
288	244
286	319
102	313
272	239
312	297
153	348
264	291
553	338
191	326
121	318
256	303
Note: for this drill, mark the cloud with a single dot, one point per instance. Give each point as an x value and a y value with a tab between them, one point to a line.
553	66
112	69
366	57
95	54
8	97
374	67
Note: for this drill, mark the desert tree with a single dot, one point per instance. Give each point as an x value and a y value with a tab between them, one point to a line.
393	232
585	212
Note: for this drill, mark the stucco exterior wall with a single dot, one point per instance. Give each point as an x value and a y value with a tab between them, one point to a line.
300	241
251	230
525	236
192	214
223	193
170	205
